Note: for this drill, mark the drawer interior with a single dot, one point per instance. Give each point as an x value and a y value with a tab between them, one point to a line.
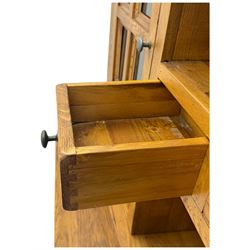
117	113
123	142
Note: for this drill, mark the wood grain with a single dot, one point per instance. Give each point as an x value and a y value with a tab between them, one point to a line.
206	210
172	29
151	37
201	190
186	87
118	54
68	192
197	218
132	82
132	58
65	131
190	125
138	26
187	35
107	227
125	131
125	7
71	227
66	223
189	83
112	42
163	20
128	110
91	133
196	73
139	171
165	213
145	159
106	101
192	41
91	176
157	216
120	91
130	24
140	18
127	56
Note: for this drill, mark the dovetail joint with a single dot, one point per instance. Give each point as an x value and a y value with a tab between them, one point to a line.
68	192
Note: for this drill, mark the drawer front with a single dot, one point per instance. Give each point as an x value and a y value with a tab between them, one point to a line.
124	142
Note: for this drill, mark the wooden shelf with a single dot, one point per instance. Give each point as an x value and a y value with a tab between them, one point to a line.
188	81
194	74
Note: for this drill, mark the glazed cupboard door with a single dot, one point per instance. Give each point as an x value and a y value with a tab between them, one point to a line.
132	35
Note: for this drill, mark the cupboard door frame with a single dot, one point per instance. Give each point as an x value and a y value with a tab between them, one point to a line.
137	25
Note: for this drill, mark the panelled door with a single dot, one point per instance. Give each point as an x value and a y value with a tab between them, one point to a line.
132	37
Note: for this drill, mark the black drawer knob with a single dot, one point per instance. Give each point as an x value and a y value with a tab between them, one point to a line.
45	138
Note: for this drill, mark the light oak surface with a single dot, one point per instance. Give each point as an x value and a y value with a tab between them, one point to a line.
197	204
201	190
144	158
187	35
163	21
116	131
167	214
189	83
137	25
197	218
148	171
65	131
112	42
192	42
182	34
206	211
124	144
108	227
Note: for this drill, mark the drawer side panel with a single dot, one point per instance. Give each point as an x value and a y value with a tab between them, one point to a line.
105	178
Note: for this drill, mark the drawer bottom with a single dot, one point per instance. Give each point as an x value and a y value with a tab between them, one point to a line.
129	130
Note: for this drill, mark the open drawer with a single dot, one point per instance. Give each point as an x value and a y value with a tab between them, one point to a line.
122	142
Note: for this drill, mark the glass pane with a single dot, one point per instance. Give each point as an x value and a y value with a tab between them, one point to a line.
139	65
146	9
122	56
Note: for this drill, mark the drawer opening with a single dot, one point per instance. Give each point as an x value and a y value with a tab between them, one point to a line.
125	142
118	113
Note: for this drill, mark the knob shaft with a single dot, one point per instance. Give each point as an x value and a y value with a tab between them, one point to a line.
45	138
141	44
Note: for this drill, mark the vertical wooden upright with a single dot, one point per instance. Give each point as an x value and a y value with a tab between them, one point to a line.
178	32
